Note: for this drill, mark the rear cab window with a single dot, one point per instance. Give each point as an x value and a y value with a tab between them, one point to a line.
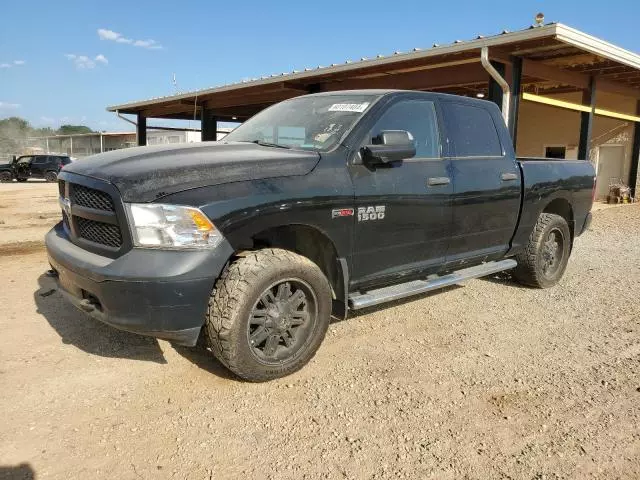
471	130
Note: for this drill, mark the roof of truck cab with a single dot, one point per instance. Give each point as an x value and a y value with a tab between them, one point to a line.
388	92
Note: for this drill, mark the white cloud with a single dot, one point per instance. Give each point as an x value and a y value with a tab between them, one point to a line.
150	44
105	34
16	63
9	106
112	36
82	62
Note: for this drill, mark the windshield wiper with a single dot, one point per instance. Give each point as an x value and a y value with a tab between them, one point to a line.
269	144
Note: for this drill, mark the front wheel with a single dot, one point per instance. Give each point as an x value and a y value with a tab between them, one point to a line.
51	176
545	258
268	314
5	177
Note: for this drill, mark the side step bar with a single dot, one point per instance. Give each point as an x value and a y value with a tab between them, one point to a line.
403	290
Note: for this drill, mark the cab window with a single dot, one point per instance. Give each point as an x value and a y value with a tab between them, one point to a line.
471	130
418	117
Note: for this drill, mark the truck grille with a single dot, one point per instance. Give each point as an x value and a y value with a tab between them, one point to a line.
99	232
92	217
88	197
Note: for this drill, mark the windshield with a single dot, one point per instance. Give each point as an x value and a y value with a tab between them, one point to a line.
314	123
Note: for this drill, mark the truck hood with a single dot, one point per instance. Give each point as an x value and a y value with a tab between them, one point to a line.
145	174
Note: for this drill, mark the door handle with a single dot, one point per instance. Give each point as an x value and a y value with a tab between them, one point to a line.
433	181
508	176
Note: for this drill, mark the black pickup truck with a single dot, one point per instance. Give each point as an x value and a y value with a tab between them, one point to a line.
315	206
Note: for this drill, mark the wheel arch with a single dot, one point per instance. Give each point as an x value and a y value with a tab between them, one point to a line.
562	207
317	246
48	171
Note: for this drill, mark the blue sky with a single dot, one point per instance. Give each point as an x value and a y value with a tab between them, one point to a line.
66	63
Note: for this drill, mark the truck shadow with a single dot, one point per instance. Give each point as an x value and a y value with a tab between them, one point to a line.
505	279
89	335
204	359
24	471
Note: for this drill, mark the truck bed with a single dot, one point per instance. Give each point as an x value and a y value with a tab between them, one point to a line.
548	179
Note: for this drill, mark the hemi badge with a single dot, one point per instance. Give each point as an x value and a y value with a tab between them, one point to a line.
342	212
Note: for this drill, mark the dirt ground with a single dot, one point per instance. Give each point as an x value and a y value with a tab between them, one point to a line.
486	380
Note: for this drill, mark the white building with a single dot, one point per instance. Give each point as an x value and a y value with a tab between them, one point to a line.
85	144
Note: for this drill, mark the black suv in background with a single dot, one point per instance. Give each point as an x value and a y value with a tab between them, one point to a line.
34	166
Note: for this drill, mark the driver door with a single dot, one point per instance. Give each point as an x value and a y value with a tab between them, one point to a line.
23	167
403	211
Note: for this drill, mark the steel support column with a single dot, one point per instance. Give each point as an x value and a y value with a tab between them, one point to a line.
495	91
516	91
635	154
586	120
209	128
141	130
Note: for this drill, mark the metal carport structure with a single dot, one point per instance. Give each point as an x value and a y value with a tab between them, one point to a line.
536	62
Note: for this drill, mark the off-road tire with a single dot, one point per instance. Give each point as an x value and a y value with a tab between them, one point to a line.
51	176
530	270
234	298
6	177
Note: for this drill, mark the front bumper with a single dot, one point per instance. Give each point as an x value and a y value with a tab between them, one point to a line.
160	293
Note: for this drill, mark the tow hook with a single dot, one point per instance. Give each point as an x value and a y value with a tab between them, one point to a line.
87	305
51	273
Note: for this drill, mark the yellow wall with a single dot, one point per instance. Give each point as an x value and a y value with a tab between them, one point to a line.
541	125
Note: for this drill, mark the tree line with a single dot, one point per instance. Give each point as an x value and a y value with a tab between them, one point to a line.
14	132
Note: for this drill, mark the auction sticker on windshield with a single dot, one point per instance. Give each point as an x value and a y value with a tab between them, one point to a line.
349	107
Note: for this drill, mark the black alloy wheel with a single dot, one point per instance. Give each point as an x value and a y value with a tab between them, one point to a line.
281	320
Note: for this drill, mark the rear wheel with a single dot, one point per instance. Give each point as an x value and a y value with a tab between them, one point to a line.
545	258
51	176
5	177
268	314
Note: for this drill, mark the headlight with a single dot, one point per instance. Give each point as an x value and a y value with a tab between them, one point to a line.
156	225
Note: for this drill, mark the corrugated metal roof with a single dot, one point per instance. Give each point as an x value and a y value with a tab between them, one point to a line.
559	31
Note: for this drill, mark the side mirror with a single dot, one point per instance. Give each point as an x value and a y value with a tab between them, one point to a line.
388	147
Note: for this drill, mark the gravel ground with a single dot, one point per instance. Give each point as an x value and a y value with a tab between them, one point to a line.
487	380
